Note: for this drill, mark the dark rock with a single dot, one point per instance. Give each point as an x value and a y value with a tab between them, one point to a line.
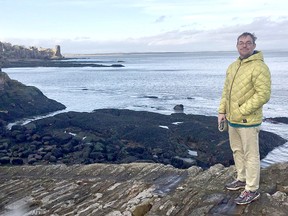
125	136
183	163
25	153
67	148
97	156
36	138
47	156
4	145
52	159
54	63
277	120
4	160
17	161
20	101
20	138
61	137
31	128
151	96
179	108
16	128
32	160
117	65
57	152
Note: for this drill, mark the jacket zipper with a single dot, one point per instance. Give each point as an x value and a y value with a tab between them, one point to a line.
232	86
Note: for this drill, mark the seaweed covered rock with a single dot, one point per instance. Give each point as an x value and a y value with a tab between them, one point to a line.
20	101
124	136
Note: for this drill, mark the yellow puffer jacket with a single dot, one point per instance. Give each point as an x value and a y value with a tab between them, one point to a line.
247	88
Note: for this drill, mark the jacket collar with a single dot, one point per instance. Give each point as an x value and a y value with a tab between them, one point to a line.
257	55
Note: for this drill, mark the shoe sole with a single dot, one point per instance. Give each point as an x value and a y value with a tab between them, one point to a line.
235	188
248	202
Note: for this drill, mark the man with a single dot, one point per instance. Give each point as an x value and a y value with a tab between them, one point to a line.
247	88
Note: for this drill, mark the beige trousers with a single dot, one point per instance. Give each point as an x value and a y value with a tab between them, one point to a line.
244	143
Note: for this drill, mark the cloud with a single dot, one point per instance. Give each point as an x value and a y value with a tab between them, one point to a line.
272	35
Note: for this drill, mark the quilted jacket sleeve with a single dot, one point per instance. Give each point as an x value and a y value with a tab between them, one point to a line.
222	106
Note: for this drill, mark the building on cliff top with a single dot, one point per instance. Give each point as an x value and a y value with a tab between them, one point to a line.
16	52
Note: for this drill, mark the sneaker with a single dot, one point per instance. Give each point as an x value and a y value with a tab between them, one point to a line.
235	185
241	196
247	197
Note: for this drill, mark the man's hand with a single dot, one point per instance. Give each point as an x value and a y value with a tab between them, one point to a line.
221	117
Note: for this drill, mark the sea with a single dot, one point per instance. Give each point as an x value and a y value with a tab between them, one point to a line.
156	82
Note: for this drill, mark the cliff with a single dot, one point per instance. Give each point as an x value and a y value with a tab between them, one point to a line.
136	189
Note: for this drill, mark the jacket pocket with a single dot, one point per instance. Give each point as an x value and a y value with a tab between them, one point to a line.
236	115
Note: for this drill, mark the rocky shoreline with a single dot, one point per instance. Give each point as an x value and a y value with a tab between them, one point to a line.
15	56
19	101
109	135
122	162
122	136
55	63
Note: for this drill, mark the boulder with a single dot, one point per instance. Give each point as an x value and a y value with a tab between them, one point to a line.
179	108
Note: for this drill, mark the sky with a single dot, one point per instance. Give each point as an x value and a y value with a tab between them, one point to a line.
113	26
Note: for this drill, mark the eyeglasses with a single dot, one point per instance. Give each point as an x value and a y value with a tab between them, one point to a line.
249	43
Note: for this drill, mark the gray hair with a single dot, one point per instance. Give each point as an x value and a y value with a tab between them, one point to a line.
245	34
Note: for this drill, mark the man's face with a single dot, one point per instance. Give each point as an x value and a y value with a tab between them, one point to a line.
245	46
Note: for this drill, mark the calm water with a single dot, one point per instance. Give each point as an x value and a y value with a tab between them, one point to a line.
156	82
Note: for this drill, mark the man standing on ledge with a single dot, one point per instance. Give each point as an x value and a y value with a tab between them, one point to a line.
247	88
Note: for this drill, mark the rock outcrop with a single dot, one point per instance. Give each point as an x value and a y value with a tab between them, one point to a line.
20	101
277	120
122	136
55	63
135	190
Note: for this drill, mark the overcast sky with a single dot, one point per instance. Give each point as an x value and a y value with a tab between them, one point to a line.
105	26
